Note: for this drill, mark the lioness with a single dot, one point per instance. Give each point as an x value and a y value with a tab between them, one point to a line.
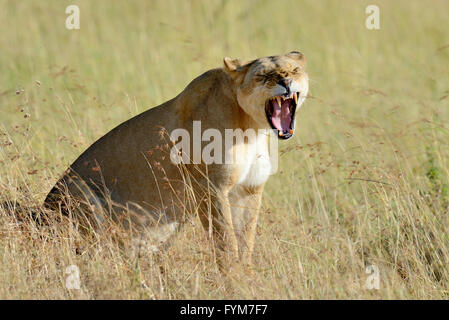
130	170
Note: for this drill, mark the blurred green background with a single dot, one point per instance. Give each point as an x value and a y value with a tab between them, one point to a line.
130	56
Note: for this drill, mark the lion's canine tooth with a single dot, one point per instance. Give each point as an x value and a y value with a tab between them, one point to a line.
295	96
280	133
290	131
278	101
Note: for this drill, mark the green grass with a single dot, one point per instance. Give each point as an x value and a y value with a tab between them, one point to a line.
365	182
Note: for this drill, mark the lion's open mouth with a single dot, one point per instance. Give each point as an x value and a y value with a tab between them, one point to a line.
280	111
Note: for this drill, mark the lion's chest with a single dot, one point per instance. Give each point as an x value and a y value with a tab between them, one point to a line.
254	166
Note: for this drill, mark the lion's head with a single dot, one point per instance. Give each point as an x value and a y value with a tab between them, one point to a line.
270	89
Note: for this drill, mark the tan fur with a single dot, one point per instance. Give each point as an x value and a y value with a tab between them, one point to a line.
129	169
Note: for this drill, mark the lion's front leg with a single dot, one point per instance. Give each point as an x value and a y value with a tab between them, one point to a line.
216	218
245	205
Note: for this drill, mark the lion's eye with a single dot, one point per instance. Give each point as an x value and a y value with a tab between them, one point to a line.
260	77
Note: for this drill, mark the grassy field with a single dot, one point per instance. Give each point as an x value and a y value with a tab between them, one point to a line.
364	183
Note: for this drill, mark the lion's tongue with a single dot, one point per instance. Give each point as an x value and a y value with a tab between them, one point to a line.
281	117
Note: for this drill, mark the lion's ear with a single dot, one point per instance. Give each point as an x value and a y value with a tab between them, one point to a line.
298	56
236	68
231	64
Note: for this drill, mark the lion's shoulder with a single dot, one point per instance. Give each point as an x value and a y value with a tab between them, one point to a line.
212	83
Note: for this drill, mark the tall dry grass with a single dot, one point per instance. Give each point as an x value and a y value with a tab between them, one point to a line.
364	183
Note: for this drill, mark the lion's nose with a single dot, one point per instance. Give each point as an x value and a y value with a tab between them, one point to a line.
286	83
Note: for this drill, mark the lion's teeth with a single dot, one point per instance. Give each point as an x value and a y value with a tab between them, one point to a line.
295	97
278	101
290	131
280	133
